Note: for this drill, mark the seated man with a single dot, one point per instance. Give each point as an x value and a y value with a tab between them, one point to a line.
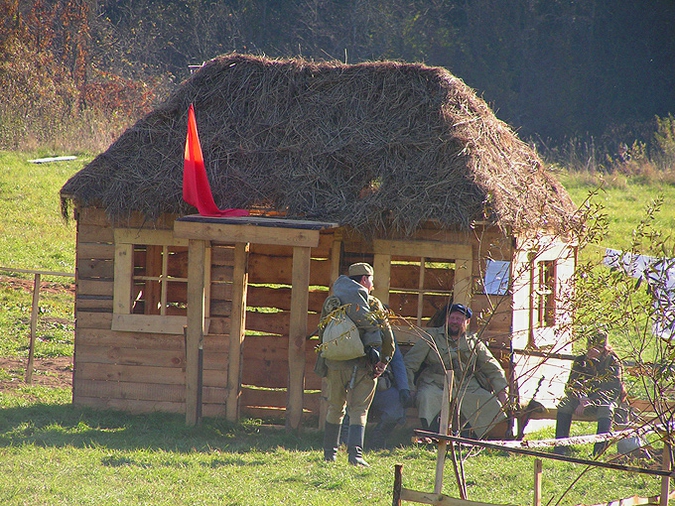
479	386
594	388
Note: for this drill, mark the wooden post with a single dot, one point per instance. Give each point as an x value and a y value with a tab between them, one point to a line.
398	484
237	329
443	429
195	327
35	309
537	481
665	481
297	336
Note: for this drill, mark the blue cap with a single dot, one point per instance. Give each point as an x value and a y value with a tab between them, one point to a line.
461	308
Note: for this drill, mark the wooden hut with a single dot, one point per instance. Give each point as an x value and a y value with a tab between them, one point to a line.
397	164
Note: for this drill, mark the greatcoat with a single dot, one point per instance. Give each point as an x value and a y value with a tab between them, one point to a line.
478	377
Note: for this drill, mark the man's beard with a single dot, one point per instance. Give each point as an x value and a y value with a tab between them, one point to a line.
453	331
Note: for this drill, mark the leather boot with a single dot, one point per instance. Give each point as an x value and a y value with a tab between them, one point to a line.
378	438
355	446
563	423
331	441
604	426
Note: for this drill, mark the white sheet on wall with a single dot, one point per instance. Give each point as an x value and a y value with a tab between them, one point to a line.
497	275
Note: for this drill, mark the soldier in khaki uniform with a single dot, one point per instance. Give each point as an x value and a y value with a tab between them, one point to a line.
351	383
479	381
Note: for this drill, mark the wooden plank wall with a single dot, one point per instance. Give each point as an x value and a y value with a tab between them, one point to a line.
133	371
265	350
142	372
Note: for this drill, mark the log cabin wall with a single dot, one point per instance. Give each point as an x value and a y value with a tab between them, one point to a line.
137	371
265	351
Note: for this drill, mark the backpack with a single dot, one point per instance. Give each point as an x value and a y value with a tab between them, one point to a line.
340	338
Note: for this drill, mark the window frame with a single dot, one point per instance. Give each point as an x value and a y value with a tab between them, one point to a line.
123	318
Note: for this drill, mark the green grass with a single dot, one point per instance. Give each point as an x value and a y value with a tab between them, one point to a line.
34	236
54	453
624	201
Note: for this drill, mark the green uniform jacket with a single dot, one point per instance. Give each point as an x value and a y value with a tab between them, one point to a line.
478	376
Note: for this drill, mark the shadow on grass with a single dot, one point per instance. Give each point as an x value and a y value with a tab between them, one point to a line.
62	425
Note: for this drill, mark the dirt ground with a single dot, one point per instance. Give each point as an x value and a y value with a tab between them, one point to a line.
49	372
53	372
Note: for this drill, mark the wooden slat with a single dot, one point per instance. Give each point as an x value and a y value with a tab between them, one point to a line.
230	233
276	323
195	327
94	303
220	307
102	251
95	268
148	237
153	392
94	233
219	291
95	287
222	273
280	298
222	255
427	249
129	405
121	372
278	270
149	323
130	356
213	343
297	337
93	320
238	328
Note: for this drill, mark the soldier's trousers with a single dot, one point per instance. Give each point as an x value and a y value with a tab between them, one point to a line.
356	400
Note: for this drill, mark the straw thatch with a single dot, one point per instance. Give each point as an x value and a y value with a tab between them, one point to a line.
382	147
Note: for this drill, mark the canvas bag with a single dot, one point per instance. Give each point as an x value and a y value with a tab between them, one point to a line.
341	339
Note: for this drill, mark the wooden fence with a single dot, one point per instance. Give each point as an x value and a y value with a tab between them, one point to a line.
37	277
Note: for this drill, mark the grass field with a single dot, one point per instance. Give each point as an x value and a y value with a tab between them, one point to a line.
54	453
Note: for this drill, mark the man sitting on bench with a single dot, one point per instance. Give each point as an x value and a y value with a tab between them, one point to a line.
594	388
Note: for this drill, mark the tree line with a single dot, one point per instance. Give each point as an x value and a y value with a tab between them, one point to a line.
553	69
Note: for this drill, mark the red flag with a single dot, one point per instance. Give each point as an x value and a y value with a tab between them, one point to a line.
196	188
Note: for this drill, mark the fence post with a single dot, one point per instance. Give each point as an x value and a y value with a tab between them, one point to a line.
33	328
666	465
538	466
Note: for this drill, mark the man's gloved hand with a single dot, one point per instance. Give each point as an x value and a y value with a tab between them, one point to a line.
405	398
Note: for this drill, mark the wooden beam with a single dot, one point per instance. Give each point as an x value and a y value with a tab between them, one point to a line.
195	327
237	329
35	309
382	277
444	423
246	232
297	336
666	463
538	466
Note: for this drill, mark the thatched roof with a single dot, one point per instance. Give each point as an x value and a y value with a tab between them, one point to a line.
382	147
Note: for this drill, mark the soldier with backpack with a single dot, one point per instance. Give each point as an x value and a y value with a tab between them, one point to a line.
351	383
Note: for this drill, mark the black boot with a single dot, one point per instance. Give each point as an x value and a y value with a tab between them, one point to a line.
563	423
331	441
344	433
378	438
604	426
355	446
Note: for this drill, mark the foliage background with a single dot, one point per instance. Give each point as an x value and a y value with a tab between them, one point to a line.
558	71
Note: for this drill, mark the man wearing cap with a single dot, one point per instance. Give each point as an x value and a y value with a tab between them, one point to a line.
351	383
594	388
479	386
